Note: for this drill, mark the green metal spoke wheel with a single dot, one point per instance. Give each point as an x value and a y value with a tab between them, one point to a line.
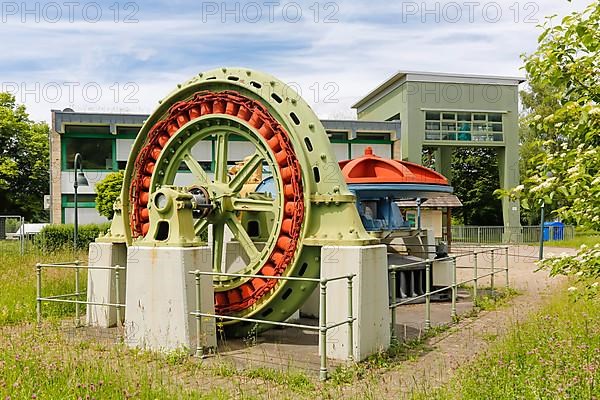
275	234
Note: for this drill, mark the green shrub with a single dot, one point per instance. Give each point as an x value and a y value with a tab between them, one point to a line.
108	190
60	237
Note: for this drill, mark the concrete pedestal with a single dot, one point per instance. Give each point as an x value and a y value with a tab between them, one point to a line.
101	283
161	294
370	299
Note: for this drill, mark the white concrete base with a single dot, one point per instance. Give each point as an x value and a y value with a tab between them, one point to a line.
101	284
370	299
442	273
161	294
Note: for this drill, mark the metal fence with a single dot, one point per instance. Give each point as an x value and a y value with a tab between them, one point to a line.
494	270
323	327
509	234
75	298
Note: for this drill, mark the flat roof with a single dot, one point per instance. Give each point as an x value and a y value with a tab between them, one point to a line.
442	77
62	118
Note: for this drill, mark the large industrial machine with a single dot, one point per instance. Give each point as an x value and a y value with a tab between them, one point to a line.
270	213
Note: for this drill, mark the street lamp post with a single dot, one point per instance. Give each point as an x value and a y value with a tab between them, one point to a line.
80	180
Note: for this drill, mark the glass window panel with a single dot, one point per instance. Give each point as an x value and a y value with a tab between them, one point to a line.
448	136
479	117
448	126
337	135
372	136
433	126
81	198
479	127
88	129
498	137
449	116
464	127
497	127
432	135
495	117
128	130
432	116
464	117
95	153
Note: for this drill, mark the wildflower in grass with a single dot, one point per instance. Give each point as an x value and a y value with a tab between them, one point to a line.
572	289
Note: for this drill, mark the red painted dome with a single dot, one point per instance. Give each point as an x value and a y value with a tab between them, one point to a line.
374	169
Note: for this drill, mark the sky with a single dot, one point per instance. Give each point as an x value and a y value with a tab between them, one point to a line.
122	56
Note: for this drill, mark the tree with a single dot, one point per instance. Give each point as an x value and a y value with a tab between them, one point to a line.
475	177
24	161
568	163
568	160
108	190
538	100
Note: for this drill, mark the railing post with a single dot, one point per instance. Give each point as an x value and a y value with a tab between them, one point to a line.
427	294
506	265
350	321
393	308
475	276
118	294
38	273
454	289
77	315
199	345
323	330
493	272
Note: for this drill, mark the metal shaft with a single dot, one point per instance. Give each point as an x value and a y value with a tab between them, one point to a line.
475	276
350	321
38	273
393	308
506	265
323	331
454	288
199	345
427	295
77	292
493	275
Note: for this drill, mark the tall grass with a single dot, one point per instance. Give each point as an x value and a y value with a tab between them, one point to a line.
18	283
553	355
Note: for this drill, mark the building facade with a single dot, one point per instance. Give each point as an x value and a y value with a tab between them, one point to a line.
105	141
441	112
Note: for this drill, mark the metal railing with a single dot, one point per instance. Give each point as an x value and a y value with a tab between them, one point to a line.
494	270
509	234
74	298
20	232
323	327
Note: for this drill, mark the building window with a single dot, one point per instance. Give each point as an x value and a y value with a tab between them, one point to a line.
129	131
95	153
337	136
377	136
87	130
81	198
463	126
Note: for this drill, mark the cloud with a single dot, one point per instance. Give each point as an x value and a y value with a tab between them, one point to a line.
334	53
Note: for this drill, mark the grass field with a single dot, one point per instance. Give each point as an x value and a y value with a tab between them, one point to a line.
589	239
554	355
18	282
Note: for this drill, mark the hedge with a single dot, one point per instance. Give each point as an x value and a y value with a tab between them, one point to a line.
59	237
